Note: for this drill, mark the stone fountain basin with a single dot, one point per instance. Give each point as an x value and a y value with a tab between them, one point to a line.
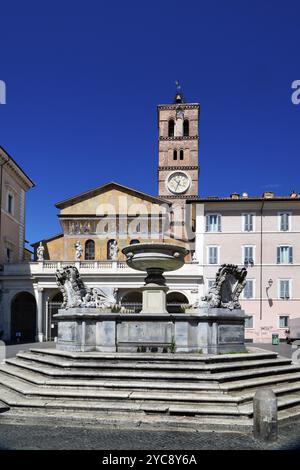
162	256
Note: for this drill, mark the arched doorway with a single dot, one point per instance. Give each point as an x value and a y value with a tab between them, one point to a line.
53	306
23	318
175	300
133	301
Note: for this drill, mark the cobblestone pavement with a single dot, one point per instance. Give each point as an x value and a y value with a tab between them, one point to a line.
21	437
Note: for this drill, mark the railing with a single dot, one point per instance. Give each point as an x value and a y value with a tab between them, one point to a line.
85	266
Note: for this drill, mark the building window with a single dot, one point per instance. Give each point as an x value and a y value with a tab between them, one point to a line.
174	154
171	128
8	255
284	222
213	255
248	255
248	292
284	321
284	255
10	203
213	223
186	128
249	322
89	253
181	155
248	222
284	289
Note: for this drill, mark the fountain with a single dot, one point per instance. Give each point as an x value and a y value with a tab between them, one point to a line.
91	319
155	259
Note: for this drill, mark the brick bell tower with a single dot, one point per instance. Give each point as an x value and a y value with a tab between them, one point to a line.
178	144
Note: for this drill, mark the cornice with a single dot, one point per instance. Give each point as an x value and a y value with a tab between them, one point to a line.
191	137
181	196
177	105
177	167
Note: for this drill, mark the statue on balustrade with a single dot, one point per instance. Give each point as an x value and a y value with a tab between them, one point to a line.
78	250
40	252
113	250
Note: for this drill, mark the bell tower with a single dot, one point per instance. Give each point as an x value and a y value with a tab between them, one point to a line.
178	144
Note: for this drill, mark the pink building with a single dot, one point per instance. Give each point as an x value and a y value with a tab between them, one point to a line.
263	234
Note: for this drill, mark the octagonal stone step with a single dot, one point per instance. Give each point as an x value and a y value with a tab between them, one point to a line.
150	365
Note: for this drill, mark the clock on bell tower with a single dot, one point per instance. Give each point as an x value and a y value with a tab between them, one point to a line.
178	143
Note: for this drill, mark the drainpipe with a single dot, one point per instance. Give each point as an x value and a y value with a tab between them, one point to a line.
1	188
261	261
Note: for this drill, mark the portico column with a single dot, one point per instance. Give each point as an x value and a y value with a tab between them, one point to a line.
39	302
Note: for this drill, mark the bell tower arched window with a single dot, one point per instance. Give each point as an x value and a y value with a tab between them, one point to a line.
181	155
89	251
186	128
171	128
174	154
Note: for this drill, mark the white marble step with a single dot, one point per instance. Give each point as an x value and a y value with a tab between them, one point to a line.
14	399
142	374
125	420
31	390
37	378
268	380
129	365
254	353
153	374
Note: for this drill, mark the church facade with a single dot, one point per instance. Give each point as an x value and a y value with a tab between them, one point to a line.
261	233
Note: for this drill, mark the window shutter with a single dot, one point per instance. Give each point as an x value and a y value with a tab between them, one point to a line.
219	223
249	223
249	289
207	223
287	289
278	255
290	254
281	293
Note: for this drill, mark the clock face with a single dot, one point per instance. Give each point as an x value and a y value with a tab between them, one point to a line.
178	182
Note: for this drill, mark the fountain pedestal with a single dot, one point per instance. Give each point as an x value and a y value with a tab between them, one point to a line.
154	299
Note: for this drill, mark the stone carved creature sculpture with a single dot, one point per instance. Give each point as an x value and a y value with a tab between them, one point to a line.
75	294
227	287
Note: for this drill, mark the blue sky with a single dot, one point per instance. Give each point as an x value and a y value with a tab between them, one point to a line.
84	78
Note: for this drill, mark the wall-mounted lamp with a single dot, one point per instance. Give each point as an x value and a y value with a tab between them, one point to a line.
270	282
